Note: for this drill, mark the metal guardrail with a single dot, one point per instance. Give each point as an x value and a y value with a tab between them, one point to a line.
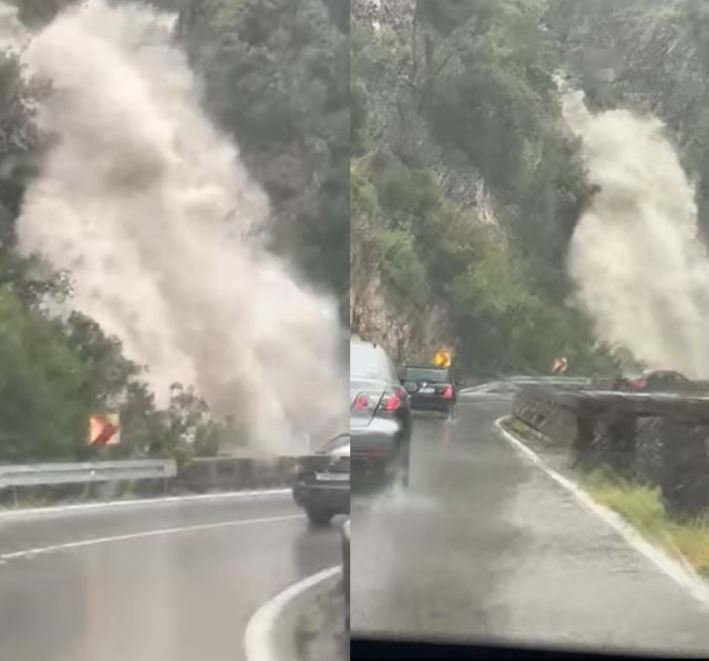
23	475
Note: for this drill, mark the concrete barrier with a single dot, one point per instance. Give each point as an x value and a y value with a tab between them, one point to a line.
660	439
234	473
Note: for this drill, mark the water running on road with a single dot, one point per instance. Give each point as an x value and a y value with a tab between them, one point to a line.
503	552
178	582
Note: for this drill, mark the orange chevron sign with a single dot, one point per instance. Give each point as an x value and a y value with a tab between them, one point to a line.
104	429
560	366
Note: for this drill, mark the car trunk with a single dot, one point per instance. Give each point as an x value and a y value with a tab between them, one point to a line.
426	387
323	463
373	390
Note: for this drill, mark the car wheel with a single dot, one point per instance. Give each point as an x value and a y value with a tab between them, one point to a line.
319	518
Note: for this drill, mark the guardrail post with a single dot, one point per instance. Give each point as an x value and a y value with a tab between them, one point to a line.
622	431
583	441
685	468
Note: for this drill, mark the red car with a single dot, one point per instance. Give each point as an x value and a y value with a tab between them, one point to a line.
653	380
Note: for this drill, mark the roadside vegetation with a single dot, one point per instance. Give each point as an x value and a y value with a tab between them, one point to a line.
642	507
639	504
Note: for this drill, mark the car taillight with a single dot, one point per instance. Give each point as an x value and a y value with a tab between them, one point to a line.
392	401
370	453
638	383
362	401
448	392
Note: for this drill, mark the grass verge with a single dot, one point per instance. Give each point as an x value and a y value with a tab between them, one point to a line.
642	507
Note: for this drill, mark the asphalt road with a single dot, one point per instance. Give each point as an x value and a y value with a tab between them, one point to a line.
137	593
486	546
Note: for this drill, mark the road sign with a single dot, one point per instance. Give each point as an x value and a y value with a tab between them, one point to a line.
104	429
560	365
442	358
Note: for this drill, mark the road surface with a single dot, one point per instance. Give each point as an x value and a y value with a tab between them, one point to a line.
487	546
179	595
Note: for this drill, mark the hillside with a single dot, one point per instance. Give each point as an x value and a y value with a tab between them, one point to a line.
467	184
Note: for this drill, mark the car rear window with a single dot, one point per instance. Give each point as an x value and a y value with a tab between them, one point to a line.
366	362
426	374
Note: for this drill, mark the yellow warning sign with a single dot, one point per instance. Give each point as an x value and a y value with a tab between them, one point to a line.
442	358
104	429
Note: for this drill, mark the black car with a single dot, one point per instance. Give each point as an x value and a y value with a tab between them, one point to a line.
380	417
430	388
322	481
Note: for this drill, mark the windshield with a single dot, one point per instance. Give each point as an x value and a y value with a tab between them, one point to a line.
529	189
423	374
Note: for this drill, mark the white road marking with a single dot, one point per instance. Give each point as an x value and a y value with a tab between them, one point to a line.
259	639
28	553
678	570
61	509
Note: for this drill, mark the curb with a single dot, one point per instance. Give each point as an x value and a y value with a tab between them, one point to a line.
676	569
270	633
138	502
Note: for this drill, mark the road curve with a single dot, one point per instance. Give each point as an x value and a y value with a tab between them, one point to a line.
174	581
486	546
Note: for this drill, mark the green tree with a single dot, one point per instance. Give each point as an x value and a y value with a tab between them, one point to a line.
277	79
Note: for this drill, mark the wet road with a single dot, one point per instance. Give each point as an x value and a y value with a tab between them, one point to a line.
134	593
486	546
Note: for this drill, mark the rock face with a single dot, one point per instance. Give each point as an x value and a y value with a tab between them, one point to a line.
411	335
413	338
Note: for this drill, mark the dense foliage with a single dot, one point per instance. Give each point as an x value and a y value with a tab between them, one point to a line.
276	75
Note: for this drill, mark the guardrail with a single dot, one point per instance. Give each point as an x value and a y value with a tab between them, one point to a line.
46	477
25	475
621	429
57	481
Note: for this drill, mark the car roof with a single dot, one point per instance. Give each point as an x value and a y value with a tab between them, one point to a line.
358	341
650	372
